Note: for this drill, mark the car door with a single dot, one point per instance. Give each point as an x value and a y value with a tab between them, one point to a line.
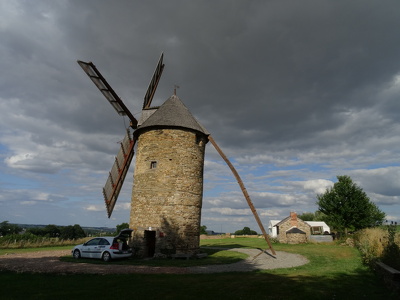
104	244
90	247
97	248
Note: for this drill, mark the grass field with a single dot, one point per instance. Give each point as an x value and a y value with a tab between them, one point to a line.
23	250
334	272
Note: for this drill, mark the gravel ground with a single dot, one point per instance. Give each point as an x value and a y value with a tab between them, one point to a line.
48	262
263	261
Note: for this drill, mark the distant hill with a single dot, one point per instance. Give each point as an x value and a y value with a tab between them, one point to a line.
88	230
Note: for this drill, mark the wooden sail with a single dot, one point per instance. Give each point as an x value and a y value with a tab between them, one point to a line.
118	172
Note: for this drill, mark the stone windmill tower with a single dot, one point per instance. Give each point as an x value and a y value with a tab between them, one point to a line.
168	178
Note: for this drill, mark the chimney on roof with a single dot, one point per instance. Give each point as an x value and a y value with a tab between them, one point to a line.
293	219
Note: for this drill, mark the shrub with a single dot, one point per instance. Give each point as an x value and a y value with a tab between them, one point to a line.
18	239
379	244
370	242
391	253
274	240
29	240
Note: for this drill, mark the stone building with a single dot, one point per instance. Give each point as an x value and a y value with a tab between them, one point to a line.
168	181
293	230
296	236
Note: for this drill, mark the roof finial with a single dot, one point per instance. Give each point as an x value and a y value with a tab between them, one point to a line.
175	87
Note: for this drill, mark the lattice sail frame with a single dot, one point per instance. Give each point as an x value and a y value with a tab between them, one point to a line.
118	172
120	168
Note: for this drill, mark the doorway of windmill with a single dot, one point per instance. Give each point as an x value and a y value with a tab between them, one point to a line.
150	238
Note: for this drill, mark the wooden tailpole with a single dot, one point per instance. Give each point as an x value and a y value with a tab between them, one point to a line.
246	195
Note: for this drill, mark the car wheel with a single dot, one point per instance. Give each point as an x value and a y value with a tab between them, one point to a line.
77	254
106	256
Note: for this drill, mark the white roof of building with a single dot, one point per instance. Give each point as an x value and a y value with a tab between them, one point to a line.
316	223
273	222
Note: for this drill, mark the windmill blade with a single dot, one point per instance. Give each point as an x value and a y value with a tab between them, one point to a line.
246	195
94	74
118	172
153	83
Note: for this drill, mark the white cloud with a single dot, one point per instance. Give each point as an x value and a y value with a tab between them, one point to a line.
270	213
317	186
123	206
229	211
94	208
42	196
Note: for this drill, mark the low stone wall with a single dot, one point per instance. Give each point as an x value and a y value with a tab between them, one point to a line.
321	238
227	235
245	236
391	276
213	237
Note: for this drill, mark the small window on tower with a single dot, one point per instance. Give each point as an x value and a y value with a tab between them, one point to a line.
153	165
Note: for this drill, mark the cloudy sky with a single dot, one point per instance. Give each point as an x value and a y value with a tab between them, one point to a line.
294	92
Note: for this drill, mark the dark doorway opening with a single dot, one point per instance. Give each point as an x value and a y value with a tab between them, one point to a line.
150	239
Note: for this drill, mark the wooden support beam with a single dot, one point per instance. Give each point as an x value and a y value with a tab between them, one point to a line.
243	188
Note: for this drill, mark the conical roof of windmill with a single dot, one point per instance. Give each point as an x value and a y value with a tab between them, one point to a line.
172	113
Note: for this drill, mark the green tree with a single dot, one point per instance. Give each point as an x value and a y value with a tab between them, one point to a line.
36	231
122	226
307	216
6	228
67	232
347	207
72	232
48	230
52	230
79	232
245	231
203	229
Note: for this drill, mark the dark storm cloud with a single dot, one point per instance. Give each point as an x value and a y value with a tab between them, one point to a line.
278	70
273	71
279	84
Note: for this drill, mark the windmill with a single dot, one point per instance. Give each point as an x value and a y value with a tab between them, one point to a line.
168	177
124	157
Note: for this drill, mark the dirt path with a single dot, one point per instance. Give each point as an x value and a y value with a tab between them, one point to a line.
49	262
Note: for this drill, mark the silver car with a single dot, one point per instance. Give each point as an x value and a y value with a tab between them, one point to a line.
105	247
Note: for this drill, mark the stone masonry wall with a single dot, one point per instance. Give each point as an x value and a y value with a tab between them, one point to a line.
296	238
300	224
168	189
